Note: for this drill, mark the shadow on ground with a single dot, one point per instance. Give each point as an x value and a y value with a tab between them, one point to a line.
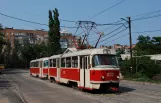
4	84
13	71
122	89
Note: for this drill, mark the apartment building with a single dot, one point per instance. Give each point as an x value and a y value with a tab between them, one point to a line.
36	36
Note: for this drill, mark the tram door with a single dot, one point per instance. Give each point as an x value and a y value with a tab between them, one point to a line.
58	69
84	72
41	68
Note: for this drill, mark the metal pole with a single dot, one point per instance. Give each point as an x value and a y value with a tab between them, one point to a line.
98	41
130	39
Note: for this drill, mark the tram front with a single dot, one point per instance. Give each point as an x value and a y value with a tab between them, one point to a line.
104	72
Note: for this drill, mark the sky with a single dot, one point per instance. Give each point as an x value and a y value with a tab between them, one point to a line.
75	10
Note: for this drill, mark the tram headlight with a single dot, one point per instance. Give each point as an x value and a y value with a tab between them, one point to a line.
118	77
102	77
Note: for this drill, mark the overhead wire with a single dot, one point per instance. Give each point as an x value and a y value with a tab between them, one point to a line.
146	17
147	31
109	33
118	38
113	35
148	13
106	9
29	21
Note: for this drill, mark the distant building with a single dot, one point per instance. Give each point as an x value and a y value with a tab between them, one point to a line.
36	37
125	48
23	36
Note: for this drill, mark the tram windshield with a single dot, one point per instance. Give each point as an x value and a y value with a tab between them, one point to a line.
102	60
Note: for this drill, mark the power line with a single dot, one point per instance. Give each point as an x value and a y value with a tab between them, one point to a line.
109	33
30	21
147	17
22	19
147	31
113	35
106	9
132	32
68	20
118	38
113	31
149	13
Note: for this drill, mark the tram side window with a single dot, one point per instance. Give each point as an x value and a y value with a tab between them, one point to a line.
63	62
39	65
51	63
68	62
33	64
75	62
36	64
54	62
80	62
46	63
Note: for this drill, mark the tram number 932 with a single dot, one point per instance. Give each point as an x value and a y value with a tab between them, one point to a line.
110	74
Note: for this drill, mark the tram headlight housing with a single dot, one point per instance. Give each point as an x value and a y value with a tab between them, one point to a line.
102	77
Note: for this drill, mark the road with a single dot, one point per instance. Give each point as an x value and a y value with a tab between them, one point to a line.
25	89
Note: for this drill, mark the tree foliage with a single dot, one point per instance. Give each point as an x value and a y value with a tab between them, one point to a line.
147	45
143	66
2	41
54	33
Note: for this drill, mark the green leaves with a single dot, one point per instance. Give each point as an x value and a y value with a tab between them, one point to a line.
148	46
54	33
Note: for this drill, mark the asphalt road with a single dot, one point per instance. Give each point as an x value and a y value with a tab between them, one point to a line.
16	86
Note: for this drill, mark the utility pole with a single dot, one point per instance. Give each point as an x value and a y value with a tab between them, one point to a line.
129	22
130	39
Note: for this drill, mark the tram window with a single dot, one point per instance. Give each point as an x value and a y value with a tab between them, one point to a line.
32	64
75	62
68	62
80	62
54	62
46	63
104	60
51	63
63	62
35	64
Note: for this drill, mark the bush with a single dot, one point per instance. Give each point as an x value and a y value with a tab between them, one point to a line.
157	77
146	68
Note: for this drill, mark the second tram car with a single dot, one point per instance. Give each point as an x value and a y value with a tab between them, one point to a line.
39	67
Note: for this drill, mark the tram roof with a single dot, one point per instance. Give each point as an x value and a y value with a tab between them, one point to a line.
91	52
40	59
55	56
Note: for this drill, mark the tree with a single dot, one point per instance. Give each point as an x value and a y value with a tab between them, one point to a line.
147	45
1	46
1	39
54	33
145	67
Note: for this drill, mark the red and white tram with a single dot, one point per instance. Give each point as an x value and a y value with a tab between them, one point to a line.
39	67
87	69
